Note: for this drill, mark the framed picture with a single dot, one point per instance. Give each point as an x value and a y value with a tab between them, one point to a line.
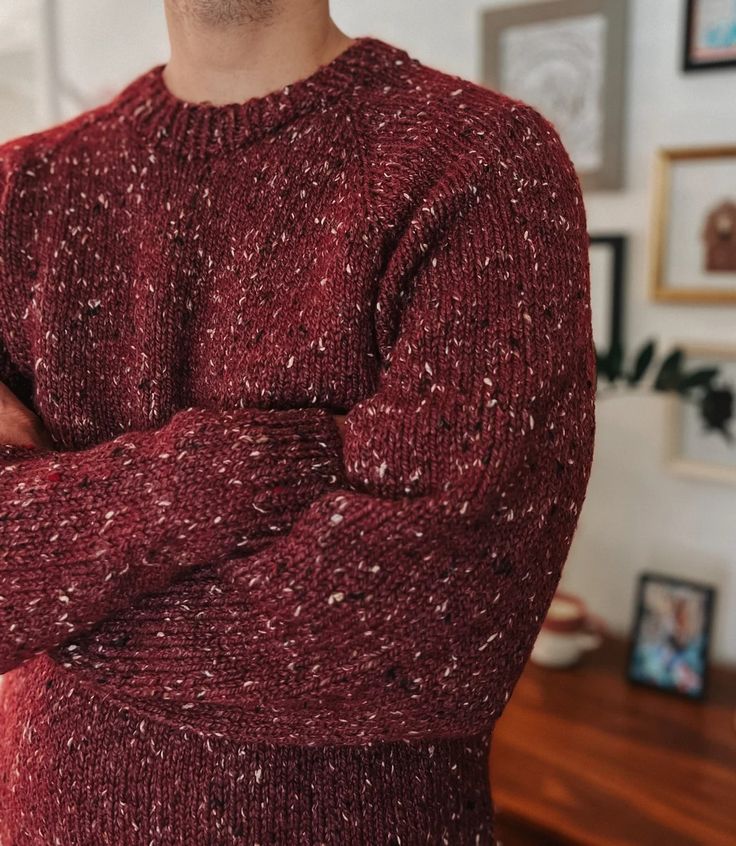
669	647
567	58
607	268
710	34
696	449
693	253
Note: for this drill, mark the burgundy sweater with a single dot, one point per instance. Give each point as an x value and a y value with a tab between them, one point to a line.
220	623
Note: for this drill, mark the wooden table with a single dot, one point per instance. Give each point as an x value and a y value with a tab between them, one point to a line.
581	756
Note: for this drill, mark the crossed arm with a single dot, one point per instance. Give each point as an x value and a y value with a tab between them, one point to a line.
82	533
401	572
21	427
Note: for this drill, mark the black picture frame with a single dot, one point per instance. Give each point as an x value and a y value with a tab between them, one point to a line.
688	63
616	243
697	649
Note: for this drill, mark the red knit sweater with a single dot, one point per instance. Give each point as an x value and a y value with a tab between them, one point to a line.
219	624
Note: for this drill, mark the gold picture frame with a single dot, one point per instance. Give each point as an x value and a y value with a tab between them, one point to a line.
698	291
682	446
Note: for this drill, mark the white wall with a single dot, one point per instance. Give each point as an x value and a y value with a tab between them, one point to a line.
638	515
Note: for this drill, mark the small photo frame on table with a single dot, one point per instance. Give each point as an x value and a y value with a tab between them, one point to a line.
710	35
669	649
696	451
607	270
693	248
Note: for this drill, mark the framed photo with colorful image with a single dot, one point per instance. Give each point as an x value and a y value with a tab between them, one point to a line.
669	648
710	34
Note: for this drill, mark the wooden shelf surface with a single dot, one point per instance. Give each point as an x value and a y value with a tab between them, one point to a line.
582	756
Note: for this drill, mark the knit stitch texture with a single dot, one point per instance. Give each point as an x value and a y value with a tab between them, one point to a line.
221	623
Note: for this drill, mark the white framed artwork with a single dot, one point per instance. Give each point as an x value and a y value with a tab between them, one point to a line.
695	449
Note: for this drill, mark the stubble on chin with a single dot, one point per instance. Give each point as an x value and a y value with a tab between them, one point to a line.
224	13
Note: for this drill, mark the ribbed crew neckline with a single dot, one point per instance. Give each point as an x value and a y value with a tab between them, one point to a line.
159	118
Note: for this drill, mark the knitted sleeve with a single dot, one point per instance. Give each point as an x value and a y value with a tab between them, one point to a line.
82	533
406	602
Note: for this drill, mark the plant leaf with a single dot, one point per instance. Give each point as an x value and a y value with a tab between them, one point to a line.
643	360
697	379
670	372
716	409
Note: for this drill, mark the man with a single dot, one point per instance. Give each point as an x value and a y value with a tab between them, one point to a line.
227	616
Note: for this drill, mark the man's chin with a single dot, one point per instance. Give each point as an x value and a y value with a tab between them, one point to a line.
225	13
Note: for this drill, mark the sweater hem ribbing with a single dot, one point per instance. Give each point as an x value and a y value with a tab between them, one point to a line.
431	791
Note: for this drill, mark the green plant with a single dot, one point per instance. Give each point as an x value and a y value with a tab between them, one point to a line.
698	386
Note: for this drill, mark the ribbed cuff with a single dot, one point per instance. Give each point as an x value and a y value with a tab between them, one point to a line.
264	467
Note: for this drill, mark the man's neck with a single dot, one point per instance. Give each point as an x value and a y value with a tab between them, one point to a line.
235	63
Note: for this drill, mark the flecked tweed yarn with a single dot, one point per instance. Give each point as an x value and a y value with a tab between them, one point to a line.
220	623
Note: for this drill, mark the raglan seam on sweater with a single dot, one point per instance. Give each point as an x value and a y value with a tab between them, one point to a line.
355	120
449	205
412	237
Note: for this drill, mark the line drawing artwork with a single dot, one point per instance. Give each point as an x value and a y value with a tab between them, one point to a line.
559	66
